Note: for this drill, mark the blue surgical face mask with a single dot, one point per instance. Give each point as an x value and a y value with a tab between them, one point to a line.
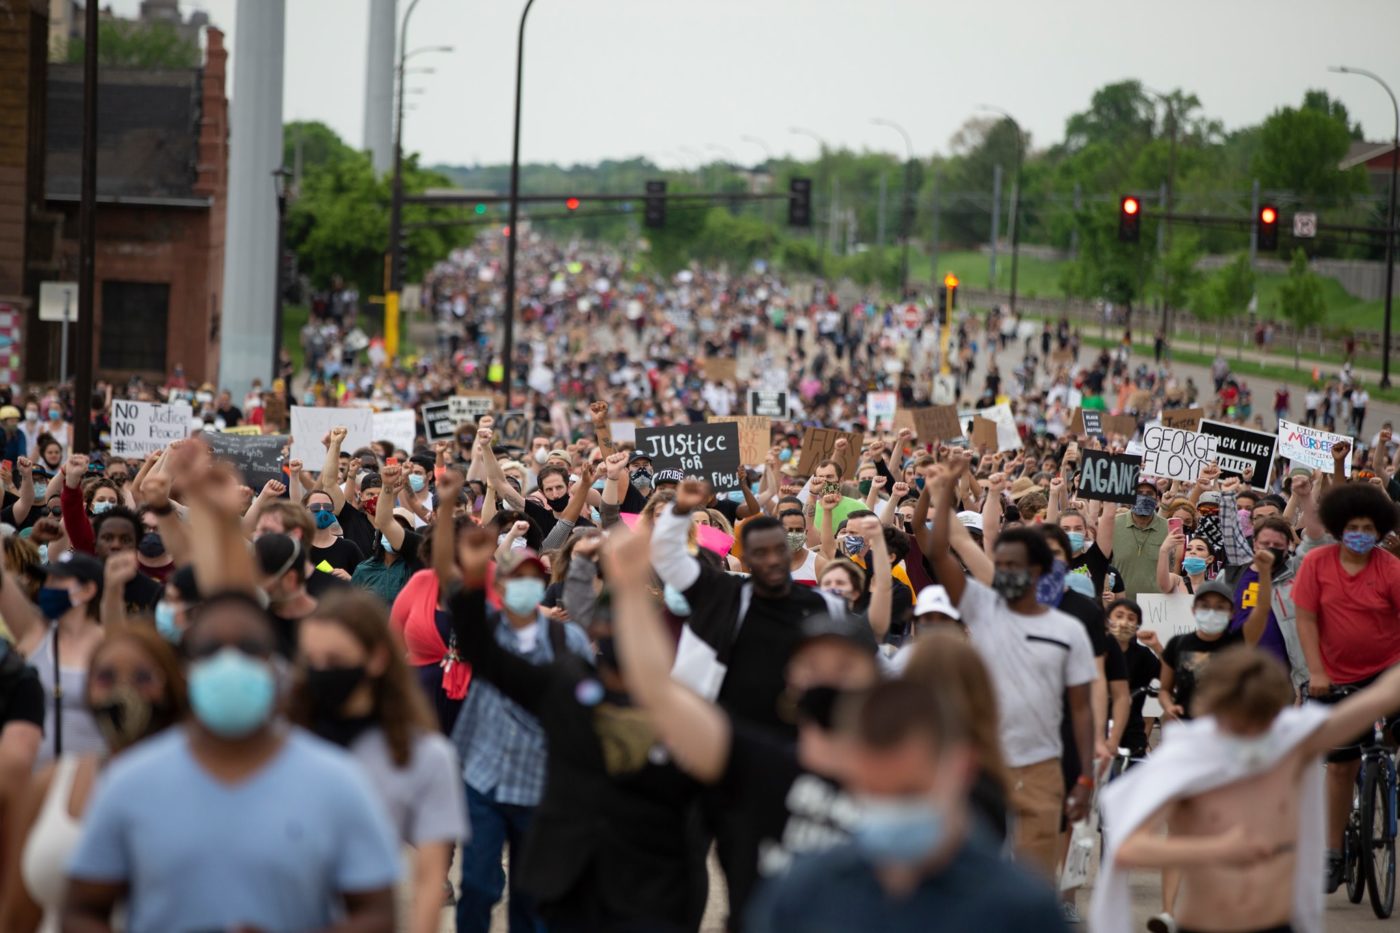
416	482
165	623
1076	541
1359	542
325	518
1144	506
899	831
53	602
99	507
1194	565
676	601
384	541
785	454
523	594
231	693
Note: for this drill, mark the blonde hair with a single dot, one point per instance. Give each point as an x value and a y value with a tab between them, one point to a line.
1244	684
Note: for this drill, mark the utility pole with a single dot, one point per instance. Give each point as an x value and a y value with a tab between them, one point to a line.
880	216
513	232
87	240
1161	240
996	227
1254	223
933	240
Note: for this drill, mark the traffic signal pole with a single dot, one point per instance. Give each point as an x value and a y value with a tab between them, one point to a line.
512	234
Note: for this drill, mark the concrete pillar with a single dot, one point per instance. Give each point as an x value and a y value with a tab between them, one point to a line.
248	315
379	85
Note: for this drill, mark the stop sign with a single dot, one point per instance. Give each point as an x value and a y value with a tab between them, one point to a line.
911	317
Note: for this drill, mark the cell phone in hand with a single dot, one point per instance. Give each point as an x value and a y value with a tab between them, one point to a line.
830	488
1174	525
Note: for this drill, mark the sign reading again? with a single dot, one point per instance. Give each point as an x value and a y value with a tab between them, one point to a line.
707	451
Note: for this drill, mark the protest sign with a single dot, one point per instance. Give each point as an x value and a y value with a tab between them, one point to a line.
1062	357
471	406
258	459
709	451
514	429
399	428
623	432
275	412
719	368
819	444
768	403
1140	401
934	423
755	436
141	428
309	425
1176	454
1310	447
1240	448
880	408
1167	614
438	423
1186	419
1108	477
1125	425
1092	422
250	430
984	432
1008	438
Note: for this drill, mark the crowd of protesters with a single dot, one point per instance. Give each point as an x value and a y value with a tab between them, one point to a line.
882	695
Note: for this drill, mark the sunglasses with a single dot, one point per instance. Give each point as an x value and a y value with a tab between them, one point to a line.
320	507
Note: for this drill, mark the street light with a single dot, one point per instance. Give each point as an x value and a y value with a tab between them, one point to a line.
1170	201
831	208
767	152
1389	217
1016	202
514	207
908	210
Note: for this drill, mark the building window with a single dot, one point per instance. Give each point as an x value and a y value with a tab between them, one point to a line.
135	316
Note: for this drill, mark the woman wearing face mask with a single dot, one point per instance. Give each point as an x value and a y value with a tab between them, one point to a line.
50	455
396	555
327	547
1186	656
172	612
135	690
807	565
1195	566
1124	621
354	689
58	634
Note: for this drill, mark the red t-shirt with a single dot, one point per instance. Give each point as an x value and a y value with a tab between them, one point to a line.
1358	617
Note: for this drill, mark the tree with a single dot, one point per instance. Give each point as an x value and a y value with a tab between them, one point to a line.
1300	300
1105	267
1226	294
1299	151
132	44
1179	269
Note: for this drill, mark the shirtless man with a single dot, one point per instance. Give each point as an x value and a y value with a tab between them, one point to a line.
1239	791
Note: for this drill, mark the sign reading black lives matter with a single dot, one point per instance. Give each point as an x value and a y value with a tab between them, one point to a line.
1242	447
1176	454
438	423
768	403
707	451
1109	477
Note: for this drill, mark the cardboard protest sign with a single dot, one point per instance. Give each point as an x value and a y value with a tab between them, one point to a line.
258	459
984	432
1091	421
755	436
1240	448
438	423
623	432
709	451
1125	425
934	423
719	368
1008	437
1108	477
819	444
1140	401
1176	454
514	429
880	408
1167	615
1187	419
1062	357
1310	447
309	425
141	428
399	428
768	403
471	406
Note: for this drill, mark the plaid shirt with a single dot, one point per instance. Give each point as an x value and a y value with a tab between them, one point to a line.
501	745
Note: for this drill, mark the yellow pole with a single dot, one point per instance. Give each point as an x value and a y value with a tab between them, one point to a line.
391	325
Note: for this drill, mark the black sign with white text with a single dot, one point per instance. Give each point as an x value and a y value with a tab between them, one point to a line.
1108	477
707	451
1242	447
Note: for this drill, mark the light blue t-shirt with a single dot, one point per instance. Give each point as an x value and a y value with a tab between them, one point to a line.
274	852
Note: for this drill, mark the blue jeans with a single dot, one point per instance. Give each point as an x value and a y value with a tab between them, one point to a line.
493	825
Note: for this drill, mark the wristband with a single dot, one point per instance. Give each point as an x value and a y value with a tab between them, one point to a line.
1085	781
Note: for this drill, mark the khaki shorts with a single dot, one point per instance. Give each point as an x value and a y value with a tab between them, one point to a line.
1038	798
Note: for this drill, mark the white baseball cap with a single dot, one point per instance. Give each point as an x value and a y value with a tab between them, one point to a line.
972	520
935	599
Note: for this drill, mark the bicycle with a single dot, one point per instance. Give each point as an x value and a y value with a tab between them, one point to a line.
1368	841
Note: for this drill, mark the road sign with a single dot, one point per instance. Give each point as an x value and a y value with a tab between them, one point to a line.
1304	225
54	298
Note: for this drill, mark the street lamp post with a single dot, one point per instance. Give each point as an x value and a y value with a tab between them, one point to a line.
1389	217
512	234
767	169
908	208
831	207
1016	201
1169	204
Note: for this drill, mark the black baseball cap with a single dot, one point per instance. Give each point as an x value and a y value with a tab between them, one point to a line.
638	455
849	628
667	476
75	565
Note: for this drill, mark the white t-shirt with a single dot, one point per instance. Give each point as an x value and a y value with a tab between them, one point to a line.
1033	660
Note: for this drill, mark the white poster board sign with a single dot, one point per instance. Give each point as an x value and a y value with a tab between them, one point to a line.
1008	438
141	428
880	408
1310	447
1167	615
398	427
309	425
1176	454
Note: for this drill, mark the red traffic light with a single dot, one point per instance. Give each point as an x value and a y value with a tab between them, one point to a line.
571	204
1268	215
1130	205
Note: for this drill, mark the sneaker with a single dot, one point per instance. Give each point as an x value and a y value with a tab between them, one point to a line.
1070	913
1336	871
1162	923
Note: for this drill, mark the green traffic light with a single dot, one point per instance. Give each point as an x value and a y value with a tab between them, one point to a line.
481	208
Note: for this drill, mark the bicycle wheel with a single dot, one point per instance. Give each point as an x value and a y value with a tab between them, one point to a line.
1378	856
1351	849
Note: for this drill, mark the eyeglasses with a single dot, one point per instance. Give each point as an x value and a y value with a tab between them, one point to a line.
109	676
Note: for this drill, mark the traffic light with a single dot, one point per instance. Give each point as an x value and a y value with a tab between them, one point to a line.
1129	219
571	204
401	268
480	209
1268	228
951	283
800	202
655	215
947	298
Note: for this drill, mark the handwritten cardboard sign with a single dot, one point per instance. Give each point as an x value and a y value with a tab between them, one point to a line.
258	459
719	368
984	432
141	428
1186	419
819	444
934	423
1176	454
709	451
755	436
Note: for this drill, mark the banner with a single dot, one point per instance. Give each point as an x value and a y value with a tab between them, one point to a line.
755	436
399	427
1108	477
141	428
768	403
438	423
258	459
1176	454
709	451
880	408
1243	447
819	444
1310	447
309	425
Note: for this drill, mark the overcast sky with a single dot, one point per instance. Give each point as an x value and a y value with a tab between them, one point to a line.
620	78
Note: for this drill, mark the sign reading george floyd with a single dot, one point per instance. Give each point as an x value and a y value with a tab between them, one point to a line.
1109	477
1176	454
1242	448
709	451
